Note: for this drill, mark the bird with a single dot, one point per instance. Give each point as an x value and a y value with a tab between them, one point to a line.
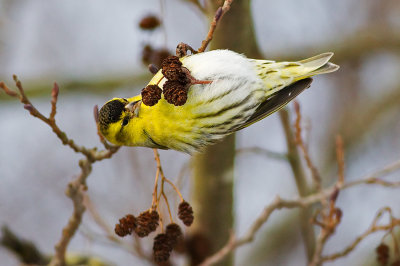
230	93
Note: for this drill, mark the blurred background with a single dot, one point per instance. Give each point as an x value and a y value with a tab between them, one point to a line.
94	51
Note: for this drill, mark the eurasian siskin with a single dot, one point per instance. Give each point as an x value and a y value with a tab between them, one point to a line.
230	92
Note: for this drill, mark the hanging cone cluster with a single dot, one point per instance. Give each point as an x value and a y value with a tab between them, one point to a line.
175	89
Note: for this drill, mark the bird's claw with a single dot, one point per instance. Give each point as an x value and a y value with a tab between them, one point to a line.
183	48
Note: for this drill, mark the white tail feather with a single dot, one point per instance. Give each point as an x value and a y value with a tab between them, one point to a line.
318	64
316	61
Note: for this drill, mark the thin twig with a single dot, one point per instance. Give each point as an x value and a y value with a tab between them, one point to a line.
154	202
302	146
217	17
54	98
169	209
302	185
329	216
321	240
175	188
181	175
329	220
159	167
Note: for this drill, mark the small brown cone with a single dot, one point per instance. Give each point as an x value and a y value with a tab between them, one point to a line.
149	22
382	252
162	248
171	62
126	225
185	213
147	222
151	94
172	69
175	92
174	232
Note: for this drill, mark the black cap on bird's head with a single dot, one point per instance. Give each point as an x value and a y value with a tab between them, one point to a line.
111	112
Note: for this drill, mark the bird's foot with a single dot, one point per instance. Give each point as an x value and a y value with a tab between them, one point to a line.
183	48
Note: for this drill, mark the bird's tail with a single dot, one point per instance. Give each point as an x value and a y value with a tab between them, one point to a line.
316	65
277	75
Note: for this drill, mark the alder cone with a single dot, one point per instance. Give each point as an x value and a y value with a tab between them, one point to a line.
151	94
185	213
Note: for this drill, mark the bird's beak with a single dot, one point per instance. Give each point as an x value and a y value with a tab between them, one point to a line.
133	107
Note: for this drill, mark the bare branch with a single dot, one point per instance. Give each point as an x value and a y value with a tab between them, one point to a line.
92	154
303	202
159	167
327	218
303	148
218	15
277	204
54	98
75	191
373	228
77	187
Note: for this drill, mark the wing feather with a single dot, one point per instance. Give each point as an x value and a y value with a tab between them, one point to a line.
277	101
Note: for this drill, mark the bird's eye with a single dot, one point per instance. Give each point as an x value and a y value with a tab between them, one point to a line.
125	121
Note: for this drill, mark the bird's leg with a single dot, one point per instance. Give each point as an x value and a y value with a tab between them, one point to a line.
192	79
183	48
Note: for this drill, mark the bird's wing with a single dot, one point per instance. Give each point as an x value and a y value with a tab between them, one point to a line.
277	101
